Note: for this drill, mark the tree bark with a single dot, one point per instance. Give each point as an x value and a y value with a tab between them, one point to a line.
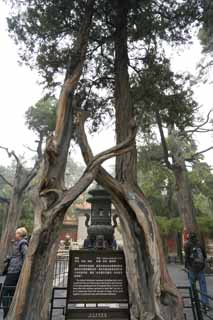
5	207
178	167
125	165
33	292
151	291
32	295
183	188
184	198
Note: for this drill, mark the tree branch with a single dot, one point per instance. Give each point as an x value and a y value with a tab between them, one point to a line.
94	162
28	148
11	153
4	200
103	177
163	140
6	181
197	154
201	125
29	176
39	147
73	74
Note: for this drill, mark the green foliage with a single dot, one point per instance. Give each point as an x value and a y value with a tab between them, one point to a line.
206	31
27	217
8	173
5	190
205	35
157	88
205	224
2	216
158	185
201	179
156	181
168	226
154	178
46	30
41	117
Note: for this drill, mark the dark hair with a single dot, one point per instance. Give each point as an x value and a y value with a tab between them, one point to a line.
192	235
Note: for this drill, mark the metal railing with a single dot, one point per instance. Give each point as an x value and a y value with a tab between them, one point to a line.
203	311
191	303
61	271
193	308
56	300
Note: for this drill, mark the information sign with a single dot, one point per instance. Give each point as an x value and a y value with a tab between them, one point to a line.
97	277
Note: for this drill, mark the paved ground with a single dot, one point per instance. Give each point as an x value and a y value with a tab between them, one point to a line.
178	276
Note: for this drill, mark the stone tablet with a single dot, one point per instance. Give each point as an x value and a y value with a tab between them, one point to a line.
97	277
97	314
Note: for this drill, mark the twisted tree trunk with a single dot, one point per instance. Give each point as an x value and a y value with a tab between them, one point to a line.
151	291
152	294
31	300
32	295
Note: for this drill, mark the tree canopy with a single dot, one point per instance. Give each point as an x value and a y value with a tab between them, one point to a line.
112	55
41	117
206	31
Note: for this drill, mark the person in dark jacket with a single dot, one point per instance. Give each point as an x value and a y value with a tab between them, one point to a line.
195	261
15	262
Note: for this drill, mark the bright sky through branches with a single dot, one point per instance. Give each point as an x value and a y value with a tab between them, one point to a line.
20	89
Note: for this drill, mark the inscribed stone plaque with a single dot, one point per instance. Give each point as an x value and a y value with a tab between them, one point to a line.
97	277
98	314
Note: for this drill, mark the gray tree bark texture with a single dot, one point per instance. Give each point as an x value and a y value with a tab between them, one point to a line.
32	296
151	291
178	167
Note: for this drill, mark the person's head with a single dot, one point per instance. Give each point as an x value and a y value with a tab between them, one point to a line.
21	233
193	236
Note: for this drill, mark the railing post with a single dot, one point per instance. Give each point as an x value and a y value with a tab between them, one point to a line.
197	302
51	303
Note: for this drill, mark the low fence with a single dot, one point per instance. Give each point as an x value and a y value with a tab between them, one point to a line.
193	308
61	270
58	303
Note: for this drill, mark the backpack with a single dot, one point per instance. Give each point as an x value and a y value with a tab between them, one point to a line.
197	260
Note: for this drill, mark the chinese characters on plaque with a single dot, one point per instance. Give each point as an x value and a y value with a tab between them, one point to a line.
97	277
